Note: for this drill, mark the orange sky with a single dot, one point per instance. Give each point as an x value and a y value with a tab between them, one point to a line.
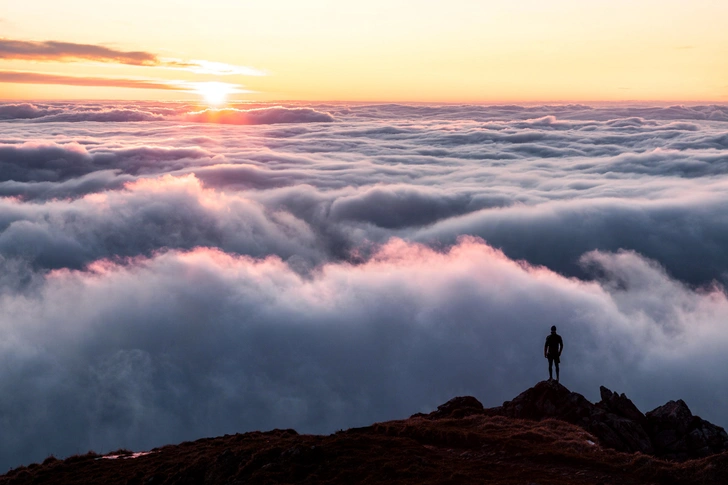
393	50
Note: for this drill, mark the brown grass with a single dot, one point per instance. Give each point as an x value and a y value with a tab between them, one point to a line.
474	449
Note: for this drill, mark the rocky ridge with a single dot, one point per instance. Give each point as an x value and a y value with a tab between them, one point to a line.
669	431
547	435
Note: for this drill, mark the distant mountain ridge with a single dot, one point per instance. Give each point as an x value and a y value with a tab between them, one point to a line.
547	435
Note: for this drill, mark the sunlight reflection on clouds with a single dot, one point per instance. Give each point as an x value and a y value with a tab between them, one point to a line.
167	275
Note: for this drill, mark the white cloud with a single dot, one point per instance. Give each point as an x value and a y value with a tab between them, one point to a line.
162	349
167	274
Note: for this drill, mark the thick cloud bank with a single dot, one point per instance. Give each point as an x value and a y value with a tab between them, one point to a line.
259	116
164	278
264	115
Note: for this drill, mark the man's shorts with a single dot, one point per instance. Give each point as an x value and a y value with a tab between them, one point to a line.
554	358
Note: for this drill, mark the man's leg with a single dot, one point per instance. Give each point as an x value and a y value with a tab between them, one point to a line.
557	372
551	373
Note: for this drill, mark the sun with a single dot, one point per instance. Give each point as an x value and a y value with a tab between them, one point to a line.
215	93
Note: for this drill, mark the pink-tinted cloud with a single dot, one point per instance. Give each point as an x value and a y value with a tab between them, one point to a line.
159	338
260	116
24	111
165	280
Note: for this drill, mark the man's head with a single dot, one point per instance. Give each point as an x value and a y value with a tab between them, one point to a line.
553	329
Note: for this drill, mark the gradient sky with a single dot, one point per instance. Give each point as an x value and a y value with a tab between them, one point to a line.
379	50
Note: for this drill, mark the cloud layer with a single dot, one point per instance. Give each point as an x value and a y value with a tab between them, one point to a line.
169	273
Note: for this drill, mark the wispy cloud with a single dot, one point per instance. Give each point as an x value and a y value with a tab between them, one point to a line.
204	88
25	77
200	66
51	50
55	51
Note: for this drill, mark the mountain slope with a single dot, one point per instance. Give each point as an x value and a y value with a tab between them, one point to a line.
459	443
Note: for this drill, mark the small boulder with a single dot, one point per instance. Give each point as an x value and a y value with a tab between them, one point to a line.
458	407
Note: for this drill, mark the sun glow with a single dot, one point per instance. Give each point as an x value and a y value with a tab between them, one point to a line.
393	51
215	93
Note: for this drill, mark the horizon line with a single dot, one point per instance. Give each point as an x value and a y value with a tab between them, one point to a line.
653	102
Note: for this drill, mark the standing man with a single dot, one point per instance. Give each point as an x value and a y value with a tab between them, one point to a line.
552	351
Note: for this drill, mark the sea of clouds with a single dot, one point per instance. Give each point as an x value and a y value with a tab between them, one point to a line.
169	272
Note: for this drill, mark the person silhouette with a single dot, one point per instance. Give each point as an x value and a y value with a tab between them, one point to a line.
552	351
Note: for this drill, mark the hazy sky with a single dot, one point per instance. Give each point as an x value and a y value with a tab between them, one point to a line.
379	50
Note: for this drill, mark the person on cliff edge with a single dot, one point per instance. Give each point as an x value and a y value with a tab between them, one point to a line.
552	351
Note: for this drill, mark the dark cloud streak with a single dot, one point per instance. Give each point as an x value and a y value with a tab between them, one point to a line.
26	77
51	50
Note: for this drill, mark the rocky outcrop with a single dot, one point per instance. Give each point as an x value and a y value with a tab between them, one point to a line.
620	405
622	425
677	434
670	431
611	421
548	399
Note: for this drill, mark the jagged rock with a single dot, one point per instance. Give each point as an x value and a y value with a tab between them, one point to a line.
677	434
610	421
620	405
623	434
670	431
626	421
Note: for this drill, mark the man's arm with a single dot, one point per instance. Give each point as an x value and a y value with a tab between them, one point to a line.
545	347
561	345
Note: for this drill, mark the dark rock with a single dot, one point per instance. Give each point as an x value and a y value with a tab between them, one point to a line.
677	434
664	439
458	407
670	431
631	436
610	421
673	415
620	405
548	399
